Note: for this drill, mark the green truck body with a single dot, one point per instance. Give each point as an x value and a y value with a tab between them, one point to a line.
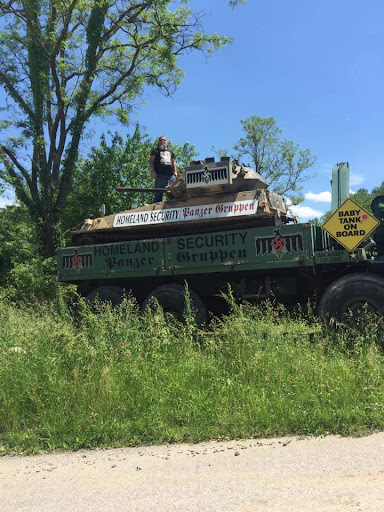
293	262
224	252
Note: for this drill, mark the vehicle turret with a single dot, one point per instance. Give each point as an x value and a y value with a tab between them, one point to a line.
207	196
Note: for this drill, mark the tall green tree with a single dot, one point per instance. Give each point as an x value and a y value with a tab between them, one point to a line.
122	162
282	162
364	198
63	62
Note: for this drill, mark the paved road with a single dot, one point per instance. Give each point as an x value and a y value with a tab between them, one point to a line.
284	475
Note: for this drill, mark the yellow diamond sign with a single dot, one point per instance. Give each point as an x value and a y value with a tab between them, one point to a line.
350	224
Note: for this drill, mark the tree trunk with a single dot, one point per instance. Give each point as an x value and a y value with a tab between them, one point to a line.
48	236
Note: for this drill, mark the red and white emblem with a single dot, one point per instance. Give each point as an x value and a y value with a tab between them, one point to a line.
279	246
77	262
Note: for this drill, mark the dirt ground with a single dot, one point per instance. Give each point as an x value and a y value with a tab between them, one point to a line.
284	474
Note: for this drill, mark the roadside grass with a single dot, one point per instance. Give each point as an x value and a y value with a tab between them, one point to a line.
122	378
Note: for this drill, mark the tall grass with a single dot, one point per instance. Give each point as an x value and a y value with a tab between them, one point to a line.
117	377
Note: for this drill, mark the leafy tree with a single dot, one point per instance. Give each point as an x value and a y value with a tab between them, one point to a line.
63	62
364	198
124	162
280	161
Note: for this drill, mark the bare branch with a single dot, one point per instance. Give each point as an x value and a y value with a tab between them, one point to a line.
126	15
15	95
68	78
96	104
64	33
6	8
60	149
14	160
10	161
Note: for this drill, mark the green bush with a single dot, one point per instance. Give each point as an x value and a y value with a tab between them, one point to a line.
25	277
31	282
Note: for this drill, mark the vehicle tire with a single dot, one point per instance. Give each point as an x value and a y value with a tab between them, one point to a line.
107	294
171	298
352	292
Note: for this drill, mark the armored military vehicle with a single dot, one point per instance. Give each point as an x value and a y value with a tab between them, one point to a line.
208	196
223	226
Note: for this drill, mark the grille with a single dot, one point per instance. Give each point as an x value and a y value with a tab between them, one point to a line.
207	177
77	261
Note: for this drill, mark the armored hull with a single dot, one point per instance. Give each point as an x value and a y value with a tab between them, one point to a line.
208	196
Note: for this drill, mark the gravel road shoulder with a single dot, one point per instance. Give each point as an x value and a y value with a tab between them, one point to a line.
283	474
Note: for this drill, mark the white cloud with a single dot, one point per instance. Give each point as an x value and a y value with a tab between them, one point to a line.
321	197
356	179
304	212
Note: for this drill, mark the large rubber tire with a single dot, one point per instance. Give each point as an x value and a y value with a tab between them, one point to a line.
352	292
107	294
171	298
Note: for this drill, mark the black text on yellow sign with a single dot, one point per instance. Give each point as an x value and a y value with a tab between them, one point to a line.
350	224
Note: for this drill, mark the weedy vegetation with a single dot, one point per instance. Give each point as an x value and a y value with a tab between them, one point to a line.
118	377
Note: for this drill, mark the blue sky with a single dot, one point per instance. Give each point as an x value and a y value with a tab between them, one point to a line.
316	67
